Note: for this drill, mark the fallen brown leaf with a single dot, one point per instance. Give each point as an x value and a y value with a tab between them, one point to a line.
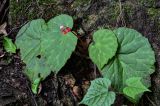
2	29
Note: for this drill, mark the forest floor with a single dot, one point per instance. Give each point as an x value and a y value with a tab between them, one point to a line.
89	15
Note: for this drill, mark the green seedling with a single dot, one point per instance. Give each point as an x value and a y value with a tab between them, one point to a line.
123	56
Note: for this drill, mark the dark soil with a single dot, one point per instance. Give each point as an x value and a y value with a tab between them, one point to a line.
71	83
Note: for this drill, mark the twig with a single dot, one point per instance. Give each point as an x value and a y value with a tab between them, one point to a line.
17	27
2	5
37	4
35	102
120	17
151	101
27	8
5	12
48	4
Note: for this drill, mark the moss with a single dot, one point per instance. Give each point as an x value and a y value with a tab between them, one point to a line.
115	13
129	9
148	3
77	3
20	10
47	1
103	17
26	10
17	9
153	13
114	10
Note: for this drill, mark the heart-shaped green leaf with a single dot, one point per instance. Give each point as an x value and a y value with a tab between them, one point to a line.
44	47
98	94
103	47
135	58
134	88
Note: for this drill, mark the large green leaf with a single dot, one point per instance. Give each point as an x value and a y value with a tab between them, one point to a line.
98	94
103	47
134	88
43	46
135	58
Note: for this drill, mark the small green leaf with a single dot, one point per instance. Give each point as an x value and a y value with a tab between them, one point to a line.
35	85
9	46
103	47
98	94
134	88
